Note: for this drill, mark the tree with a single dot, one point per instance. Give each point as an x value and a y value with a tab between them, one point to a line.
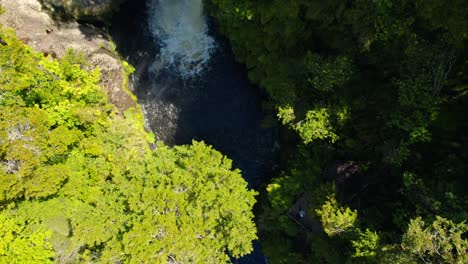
335	219
20	243
366	245
193	210
79	183
441	242
380	83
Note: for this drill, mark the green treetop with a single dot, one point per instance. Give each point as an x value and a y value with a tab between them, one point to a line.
79	182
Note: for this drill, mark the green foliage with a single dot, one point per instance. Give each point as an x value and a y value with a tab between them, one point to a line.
80	183
285	235
316	126
327	75
286	114
366	245
20	243
441	242
197	196
380	83
336	219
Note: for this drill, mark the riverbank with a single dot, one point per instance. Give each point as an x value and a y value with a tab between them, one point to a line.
220	106
80	183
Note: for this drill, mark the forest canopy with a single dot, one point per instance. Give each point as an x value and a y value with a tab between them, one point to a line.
372	96
79	182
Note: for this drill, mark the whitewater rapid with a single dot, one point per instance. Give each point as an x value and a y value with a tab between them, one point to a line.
180	30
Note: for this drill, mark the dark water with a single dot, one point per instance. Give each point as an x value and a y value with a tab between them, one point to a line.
219	107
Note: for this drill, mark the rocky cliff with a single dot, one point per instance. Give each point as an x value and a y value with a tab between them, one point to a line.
36	28
89	10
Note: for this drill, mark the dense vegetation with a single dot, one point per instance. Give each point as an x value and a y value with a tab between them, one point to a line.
372	97
379	86
79	182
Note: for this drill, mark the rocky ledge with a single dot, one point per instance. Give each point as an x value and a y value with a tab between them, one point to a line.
88	10
35	27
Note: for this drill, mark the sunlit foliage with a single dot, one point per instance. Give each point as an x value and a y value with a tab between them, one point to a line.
79	182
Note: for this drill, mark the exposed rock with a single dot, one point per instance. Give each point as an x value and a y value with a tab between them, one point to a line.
90	10
340	171
37	29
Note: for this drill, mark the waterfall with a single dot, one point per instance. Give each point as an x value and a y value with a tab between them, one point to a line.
179	28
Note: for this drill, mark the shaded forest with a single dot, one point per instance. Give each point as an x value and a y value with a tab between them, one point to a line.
372	95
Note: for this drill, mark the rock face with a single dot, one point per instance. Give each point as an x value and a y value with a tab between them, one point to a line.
36	28
89	10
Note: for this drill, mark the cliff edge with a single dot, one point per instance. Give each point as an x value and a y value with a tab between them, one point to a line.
35	27
88	10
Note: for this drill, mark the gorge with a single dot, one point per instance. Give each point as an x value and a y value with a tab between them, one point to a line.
190	87
246	131
196	90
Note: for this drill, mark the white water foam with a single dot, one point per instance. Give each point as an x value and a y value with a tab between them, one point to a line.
180	29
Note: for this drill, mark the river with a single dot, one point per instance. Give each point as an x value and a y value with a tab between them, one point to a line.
191	88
